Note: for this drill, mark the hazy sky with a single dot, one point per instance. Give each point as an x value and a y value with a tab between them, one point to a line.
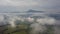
22	5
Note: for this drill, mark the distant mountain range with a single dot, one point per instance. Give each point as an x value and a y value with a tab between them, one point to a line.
34	11
29	11
56	16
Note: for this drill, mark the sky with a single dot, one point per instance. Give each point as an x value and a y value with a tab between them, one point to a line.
51	6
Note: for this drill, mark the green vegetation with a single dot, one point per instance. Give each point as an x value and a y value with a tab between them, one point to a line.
49	30
21	28
24	28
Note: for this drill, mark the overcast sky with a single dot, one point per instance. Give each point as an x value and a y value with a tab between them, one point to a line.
23	5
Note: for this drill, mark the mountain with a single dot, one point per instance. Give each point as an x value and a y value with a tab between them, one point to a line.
34	11
56	16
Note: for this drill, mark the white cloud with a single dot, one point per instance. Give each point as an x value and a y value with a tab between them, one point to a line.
17	3
32	4
41	3
1	18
